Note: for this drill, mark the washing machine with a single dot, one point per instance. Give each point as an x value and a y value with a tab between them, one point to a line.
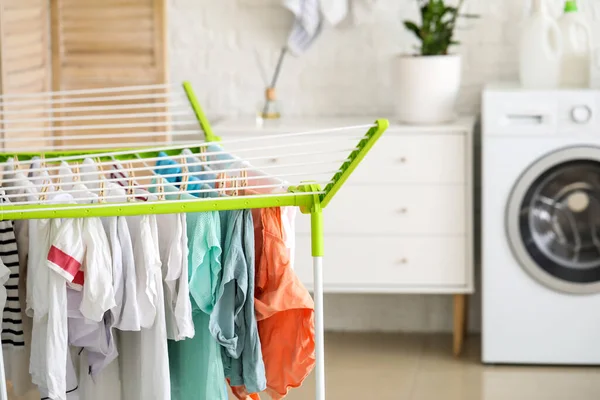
540	226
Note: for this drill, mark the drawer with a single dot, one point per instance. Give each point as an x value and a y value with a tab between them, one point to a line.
395	210
415	159
353	263
425	158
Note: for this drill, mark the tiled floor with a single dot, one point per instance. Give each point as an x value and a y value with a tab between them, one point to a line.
409	367
420	367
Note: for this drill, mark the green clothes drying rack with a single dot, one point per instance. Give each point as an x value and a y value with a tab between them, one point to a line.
309	197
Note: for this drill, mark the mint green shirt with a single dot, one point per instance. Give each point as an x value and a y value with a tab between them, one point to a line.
196	364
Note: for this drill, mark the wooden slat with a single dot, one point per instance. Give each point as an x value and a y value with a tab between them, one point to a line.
24	78
108	3
109	76
20	15
20	64
75	26
25	51
110	60
105	13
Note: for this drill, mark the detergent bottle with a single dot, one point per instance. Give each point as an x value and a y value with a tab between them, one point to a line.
541	50
576	36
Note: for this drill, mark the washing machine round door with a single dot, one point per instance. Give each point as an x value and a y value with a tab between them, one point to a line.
553	220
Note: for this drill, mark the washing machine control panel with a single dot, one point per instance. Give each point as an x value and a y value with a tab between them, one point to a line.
581	114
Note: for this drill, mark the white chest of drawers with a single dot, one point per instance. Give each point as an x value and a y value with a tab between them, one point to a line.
403	223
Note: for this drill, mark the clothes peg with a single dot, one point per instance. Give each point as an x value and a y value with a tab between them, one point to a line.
161	189
44	191
235	185
220	183
185	177
202	153
130	183
76	177
102	193
244	182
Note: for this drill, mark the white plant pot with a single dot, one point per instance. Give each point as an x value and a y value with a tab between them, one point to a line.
426	88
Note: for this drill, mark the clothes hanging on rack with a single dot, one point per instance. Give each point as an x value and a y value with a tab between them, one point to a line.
196	364
17	358
284	310
186	277
233	321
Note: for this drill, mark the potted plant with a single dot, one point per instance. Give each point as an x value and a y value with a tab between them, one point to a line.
427	83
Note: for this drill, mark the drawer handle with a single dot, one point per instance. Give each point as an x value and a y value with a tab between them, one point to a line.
403	211
274	160
402	160
402	261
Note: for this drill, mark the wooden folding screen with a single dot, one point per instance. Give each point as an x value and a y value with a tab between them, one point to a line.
24	68
108	43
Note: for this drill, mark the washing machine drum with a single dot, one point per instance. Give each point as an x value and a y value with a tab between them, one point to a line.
553	220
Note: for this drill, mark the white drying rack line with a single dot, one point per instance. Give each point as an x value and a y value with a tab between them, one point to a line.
154	168
135	185
132	106
149	194
98	136
102	126
75	100
129	204
178	157
117	89
188	113
205	144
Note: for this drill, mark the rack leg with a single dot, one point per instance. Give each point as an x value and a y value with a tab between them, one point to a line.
319	327
317	252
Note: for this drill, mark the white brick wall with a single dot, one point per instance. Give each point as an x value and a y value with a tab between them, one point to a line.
347	72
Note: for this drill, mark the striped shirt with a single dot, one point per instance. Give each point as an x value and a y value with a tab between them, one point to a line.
12	324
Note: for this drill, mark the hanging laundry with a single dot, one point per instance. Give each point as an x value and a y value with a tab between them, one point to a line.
334	11
267	184
196	364
232	321
144	358
307	24
12	324
99	370
16	359
50	365
284	309
126	312
173	247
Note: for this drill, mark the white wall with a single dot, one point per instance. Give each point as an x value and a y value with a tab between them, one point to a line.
215	43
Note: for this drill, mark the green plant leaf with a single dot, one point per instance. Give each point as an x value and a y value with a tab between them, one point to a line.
438	23
411	26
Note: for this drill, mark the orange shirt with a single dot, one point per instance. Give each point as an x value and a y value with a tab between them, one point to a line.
284	310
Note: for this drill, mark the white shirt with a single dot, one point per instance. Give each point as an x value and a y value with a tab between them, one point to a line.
49	362
143	356
79	253
183	304
172	243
